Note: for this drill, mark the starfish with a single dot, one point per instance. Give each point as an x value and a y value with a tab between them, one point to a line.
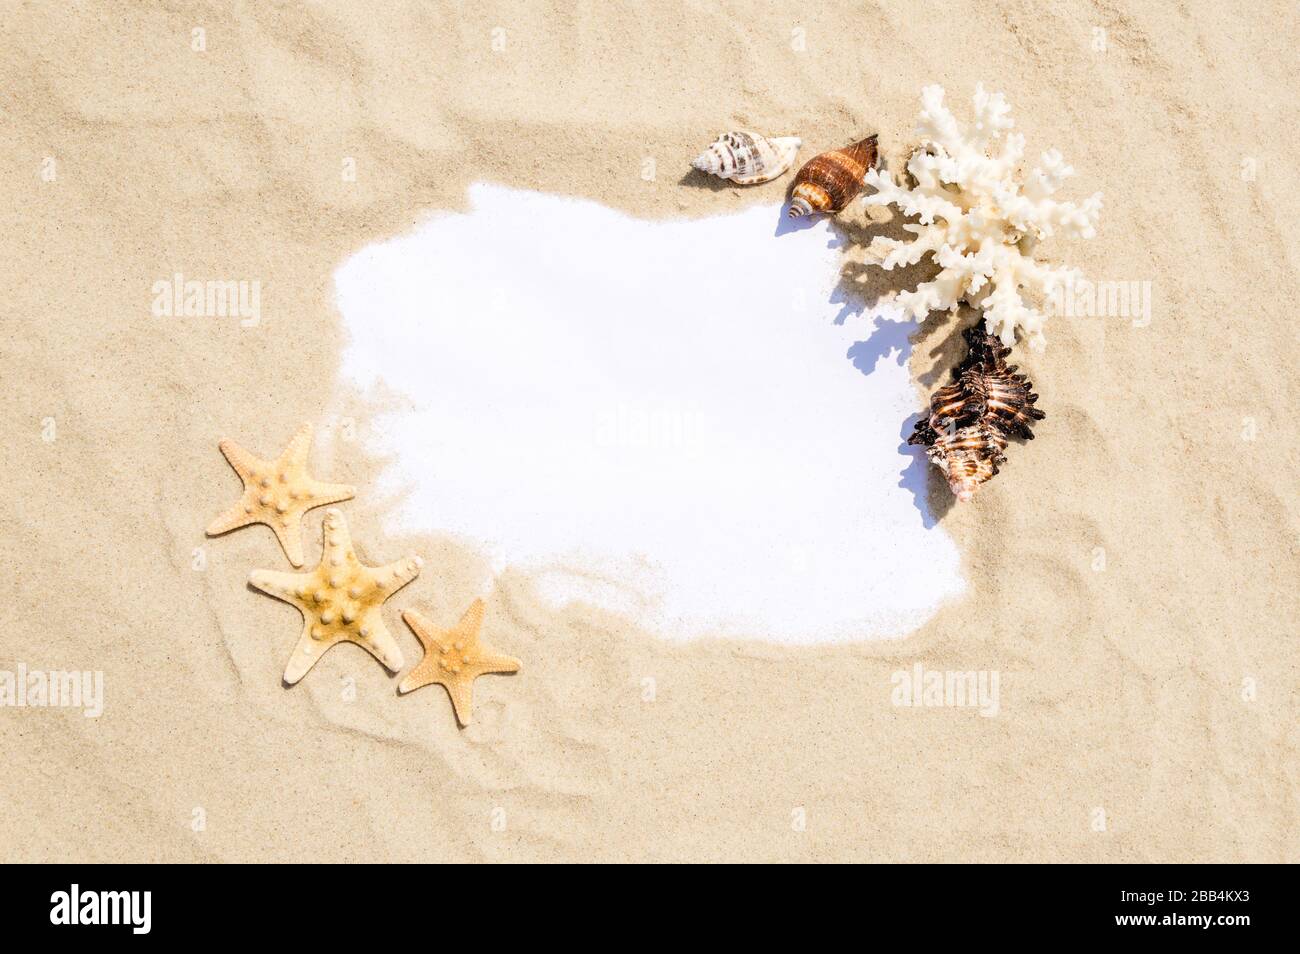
454	658
340	600
277	493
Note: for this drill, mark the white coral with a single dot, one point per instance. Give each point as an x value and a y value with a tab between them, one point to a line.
978	220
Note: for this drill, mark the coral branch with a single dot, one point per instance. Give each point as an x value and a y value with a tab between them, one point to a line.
978	220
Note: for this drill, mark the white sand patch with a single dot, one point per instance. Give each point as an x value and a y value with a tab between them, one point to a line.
659	417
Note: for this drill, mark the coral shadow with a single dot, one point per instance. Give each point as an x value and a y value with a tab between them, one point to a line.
889	340
865	289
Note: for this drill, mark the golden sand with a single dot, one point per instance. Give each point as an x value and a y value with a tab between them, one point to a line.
1134	585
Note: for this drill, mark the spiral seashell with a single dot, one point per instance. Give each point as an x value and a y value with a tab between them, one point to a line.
972	418
746	158
830	181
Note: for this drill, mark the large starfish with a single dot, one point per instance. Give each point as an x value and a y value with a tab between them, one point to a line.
454	658
277	493
340	600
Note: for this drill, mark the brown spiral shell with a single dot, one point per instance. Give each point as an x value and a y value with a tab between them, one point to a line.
971	419
830	181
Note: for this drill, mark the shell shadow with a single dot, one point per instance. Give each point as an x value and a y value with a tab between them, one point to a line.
930	495
785	224
695	179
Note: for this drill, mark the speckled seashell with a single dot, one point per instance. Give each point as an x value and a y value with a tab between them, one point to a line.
830	181
972	418
746	158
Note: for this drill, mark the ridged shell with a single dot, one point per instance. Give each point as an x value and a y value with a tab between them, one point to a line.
972	418
746	158
830	181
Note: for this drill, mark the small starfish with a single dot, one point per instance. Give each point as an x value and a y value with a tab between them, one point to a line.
340	600
277	493
454	658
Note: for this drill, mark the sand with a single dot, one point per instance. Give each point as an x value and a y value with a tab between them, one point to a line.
1130	577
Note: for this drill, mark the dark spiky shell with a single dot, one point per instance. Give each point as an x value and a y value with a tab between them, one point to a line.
830	181
971	419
